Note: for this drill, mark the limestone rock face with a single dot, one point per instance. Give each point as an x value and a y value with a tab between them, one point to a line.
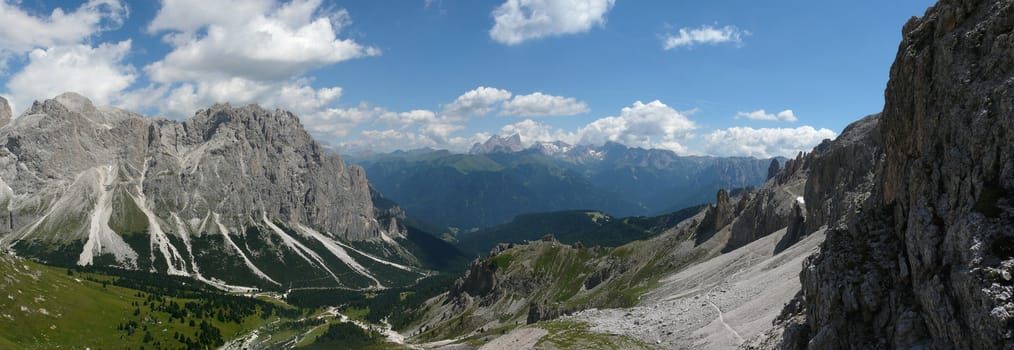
774	168
719	214
925	261
244	191
5	112
247	161
498	144
841	174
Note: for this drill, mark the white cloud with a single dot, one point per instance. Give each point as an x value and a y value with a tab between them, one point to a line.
96	72
257	51
706	34
191	15
516	21
21	31
538	105
439	131
651	125
339	122
764	143
477	102
260	40
413	117
532	132
784	116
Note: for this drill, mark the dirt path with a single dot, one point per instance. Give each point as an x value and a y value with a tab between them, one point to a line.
721	319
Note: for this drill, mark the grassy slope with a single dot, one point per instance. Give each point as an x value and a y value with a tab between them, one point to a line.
44	307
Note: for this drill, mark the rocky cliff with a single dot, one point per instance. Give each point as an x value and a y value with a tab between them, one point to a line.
925	261
231	196
5	112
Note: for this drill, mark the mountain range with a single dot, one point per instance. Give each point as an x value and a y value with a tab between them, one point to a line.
501	179
897	234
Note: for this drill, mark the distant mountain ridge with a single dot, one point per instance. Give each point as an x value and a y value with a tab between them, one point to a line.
500	180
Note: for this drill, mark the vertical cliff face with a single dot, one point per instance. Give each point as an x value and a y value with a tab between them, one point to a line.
244	162
5	112
926	260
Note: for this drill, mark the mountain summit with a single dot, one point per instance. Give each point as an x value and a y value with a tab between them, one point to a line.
498	144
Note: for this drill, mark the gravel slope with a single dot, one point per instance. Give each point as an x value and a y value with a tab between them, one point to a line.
717	304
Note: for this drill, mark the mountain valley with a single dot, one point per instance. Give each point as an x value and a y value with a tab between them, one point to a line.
236	229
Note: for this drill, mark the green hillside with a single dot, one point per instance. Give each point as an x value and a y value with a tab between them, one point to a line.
591	228
45	307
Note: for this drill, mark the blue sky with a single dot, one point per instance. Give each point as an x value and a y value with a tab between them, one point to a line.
692	77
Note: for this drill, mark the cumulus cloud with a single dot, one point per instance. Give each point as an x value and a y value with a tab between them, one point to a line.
784	116
646	125
339	122
532	131
182	100
392	140
705	35
387	141
765	142
259	40
21	31
540	105
96	72
516	21
254	51
413	117
476	102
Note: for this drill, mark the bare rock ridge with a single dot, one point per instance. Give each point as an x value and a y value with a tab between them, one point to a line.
233	196
498	144
925	260
5	112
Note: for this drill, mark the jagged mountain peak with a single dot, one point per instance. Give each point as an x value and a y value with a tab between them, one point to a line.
498	144
75	102
251	122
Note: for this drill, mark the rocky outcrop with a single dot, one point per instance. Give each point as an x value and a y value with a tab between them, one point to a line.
841	174
925	261
719	214
5	112
774	168
478	281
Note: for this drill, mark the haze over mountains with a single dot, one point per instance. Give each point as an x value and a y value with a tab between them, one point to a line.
500	179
